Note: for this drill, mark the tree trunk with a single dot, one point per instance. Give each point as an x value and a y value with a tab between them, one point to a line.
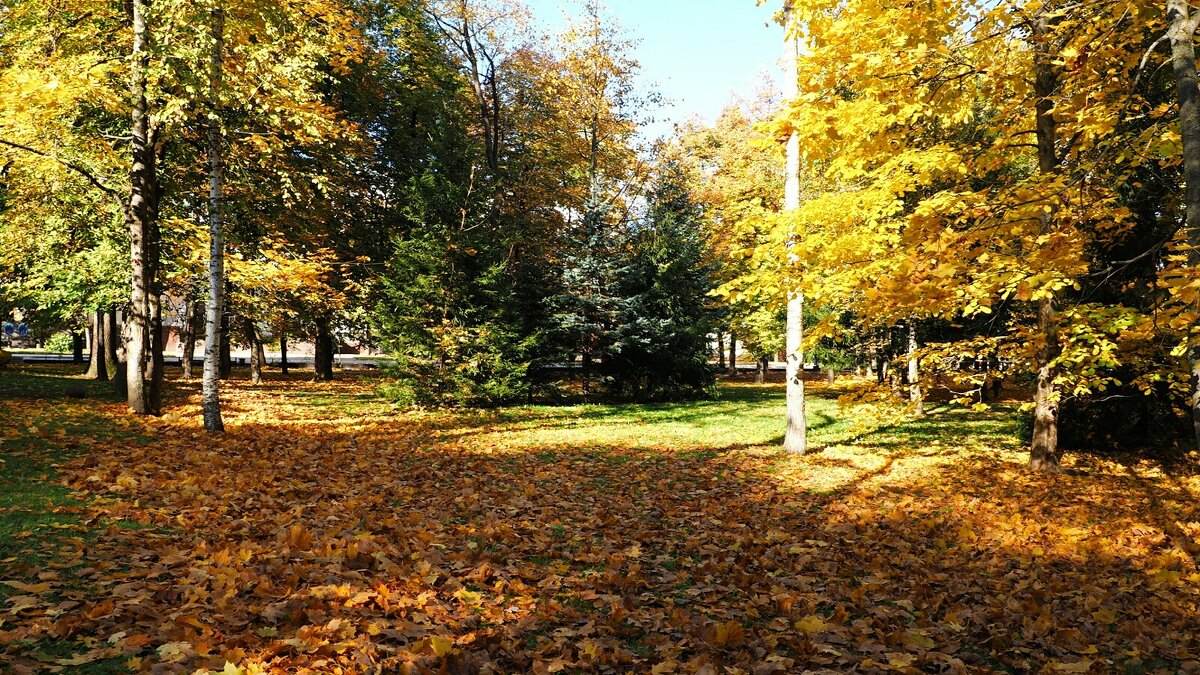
1043	451
252	338
586	359
261	353
96	356
139	214
116	332
216	333
1181	31
914	372
77	347
187	338
323	362
760	374
732	353
796	438
225	358
158	340
720	351
88	337
111	337
283	364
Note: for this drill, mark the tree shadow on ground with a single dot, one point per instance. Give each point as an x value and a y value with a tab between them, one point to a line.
380	543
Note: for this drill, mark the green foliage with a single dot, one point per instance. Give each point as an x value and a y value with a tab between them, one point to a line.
589	305
661	347
453	342
59	343
483	370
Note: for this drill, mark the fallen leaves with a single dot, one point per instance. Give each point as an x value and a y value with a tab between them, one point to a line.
378	541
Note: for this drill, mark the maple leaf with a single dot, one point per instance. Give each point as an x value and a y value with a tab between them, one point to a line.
441	646
1082	666
468	598
811	624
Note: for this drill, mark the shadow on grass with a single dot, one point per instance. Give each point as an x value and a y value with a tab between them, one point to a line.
401	543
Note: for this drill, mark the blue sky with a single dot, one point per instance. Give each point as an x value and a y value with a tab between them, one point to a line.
696	53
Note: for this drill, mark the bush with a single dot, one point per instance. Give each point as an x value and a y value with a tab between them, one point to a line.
485	368
60	343
5	359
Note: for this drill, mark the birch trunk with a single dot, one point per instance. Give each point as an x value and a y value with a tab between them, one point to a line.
1181	31
796	438
214	333
732	353
914	372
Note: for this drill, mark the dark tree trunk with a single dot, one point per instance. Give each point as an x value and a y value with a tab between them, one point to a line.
283	364
140	215
157	346
323	360
252	339
96	357
187	338
111	338
587	375
224	360
77	348
1043	451
760	375
114	334
261	353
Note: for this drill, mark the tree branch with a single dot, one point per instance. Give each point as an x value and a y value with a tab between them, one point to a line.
91	177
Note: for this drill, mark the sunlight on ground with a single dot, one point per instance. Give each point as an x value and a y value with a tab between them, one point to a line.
329	530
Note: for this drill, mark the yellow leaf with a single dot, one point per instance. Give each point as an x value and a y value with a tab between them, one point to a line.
441	645
468	598
811	624
1077	667
1165	577
915	639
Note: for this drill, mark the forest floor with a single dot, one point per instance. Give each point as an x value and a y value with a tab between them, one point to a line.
329	531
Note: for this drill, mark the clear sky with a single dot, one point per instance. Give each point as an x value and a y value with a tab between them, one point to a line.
695	53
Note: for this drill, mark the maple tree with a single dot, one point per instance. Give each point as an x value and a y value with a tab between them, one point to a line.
966	166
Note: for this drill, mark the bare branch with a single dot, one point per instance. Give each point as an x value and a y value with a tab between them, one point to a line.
91	177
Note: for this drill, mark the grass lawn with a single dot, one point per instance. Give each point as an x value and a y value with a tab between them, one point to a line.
331	532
